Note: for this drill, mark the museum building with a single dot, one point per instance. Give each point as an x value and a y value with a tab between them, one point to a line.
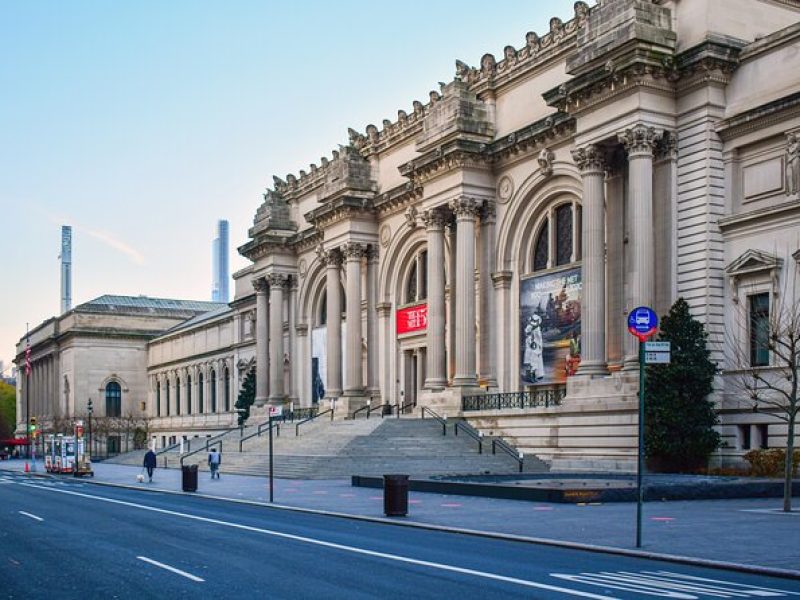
479	253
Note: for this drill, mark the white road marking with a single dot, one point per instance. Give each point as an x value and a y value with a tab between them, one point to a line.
666	584
172	569
27	514
332	545
772	511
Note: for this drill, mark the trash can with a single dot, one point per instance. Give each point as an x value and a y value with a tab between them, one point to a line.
395	495
189	478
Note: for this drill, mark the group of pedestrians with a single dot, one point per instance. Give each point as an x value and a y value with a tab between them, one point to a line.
214	461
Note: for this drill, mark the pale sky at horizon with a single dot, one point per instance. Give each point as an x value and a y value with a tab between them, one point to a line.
143	123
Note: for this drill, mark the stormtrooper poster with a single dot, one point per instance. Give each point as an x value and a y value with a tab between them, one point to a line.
550	327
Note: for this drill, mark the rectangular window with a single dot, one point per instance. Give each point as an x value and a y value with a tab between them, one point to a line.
759	330
763	434
744	437
113	444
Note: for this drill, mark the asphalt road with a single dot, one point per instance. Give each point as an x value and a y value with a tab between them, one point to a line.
64	539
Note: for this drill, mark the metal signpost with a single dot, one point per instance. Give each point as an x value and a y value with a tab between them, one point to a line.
274	412
642	323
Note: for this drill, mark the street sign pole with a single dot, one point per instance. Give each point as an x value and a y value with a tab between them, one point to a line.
270	459
640	460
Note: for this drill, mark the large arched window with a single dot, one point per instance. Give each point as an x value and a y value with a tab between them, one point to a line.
200	392
227	389
416	285
212	380
556	243
178	396
113	399
189	394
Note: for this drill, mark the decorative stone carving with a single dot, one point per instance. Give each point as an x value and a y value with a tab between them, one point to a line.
354	251
488	64
533	41
302	267
667	147
385	235
260	285
411	217
640	139
332	257
505	189
792	165
590	158
372	253
278	279
465	207
434	219
488	211
545	160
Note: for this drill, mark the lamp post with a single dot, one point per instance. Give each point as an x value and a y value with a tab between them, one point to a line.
90	409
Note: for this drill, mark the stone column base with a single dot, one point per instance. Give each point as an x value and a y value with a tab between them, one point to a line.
346	405
446	402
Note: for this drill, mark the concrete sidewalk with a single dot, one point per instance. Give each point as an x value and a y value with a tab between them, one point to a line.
749	532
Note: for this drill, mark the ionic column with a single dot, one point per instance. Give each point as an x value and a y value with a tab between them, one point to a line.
333	263
277	281
372	321
434	221
262	341
640	142
591	162
354	378
488	321
466	211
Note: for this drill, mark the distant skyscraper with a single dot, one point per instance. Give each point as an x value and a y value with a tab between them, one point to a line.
66	268
220	274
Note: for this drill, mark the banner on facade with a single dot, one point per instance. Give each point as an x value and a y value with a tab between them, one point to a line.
412	319
550	326
319	361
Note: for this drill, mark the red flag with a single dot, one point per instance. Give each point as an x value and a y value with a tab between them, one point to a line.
28	358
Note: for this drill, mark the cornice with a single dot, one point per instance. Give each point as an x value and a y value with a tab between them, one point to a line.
779	211
265	244
532	138
307	239
456	154
771	113
345	207
397	199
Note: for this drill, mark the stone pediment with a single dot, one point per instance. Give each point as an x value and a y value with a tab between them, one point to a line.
753	261
459	114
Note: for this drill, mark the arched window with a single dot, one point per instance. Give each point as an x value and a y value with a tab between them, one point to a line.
226	374
200	390
178	396
212	380
323	310
416	287
556	243
158	398
113	399
167	384
189	394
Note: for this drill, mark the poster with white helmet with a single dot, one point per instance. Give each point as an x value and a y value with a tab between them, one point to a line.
550	326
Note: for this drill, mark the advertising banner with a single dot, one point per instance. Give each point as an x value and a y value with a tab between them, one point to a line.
412	319
319	361
550	326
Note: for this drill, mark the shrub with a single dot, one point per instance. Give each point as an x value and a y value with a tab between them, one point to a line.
770	462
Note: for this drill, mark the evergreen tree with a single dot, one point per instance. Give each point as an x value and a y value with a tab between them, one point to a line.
679	420
247	396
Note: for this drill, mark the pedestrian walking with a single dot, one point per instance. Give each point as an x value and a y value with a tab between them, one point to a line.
150	463
214	460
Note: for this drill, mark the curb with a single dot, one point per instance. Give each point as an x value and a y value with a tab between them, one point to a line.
672	558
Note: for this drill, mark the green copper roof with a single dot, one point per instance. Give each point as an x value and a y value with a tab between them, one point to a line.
145	304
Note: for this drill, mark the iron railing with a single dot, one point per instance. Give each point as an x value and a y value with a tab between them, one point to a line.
533	399
442	421
311	418
207	442
384	409
508	449
257	433
402	408
471	432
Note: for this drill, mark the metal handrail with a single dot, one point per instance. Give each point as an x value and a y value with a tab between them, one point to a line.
257	433
504	400
471	432
508	449
208	441
311	418
383	408
402	407
366	407
441	420
173	446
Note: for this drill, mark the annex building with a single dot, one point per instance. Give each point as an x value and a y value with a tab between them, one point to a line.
478	252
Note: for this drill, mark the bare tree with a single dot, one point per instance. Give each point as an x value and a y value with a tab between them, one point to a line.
773	385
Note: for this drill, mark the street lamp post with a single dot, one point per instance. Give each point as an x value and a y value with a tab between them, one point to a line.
90	409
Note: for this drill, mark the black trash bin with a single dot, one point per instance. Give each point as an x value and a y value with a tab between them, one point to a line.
189	478
395	495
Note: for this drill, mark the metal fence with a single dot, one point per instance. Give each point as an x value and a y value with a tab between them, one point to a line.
532	399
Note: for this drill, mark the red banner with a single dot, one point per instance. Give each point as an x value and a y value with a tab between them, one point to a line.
412	319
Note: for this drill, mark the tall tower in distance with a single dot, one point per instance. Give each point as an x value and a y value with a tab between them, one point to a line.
66	268
220	273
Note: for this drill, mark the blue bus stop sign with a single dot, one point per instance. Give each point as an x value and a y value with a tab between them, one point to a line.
642	322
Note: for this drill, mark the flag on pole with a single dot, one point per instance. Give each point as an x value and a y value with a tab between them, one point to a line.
28	358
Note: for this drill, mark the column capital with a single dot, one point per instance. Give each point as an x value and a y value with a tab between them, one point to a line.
330	258
465	207
353	251
667	148
590	159
372	253
434	219
260	285
640	140
488	212
277	280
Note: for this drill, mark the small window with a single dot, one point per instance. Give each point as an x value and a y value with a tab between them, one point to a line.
542	248
113	399
212	380
167	396
200	407
744	437
178	396
564	234
189	394
759	330
158	398
411	284
227	388
323	310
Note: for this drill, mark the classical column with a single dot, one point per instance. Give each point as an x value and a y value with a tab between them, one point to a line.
434	220
451	299
466	211
262	340
277	282
294	363
372	322
591	162
354	379
488	320
640	143
333	350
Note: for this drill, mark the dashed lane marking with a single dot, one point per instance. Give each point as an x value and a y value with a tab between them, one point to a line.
32	516
172	569
334	546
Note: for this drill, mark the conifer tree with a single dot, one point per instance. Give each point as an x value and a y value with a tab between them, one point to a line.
247	396
679	420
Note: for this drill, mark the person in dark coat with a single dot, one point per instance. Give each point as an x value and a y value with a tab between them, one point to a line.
150	463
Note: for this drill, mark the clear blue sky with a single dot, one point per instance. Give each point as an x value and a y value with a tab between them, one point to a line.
142	123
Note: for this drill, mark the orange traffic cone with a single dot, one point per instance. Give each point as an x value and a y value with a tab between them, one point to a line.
27	467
